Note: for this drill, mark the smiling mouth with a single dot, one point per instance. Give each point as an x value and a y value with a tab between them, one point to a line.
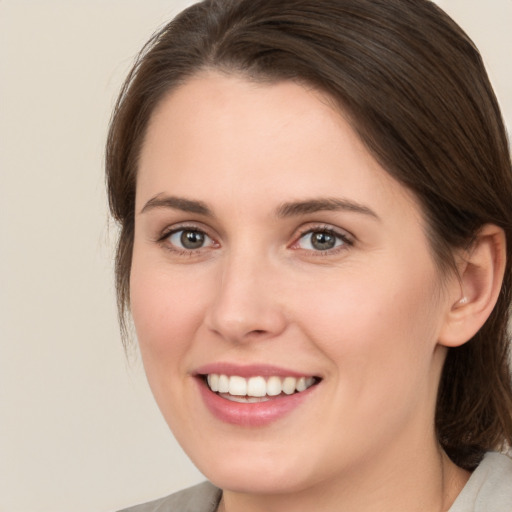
256	389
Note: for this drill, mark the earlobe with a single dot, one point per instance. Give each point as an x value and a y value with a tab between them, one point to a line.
480	279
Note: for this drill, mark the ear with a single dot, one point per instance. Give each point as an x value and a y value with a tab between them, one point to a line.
480	277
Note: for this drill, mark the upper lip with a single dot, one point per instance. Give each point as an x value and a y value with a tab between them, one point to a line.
251	370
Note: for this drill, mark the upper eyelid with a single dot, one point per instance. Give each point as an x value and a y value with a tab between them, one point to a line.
347	239
163	240
186	225
342	233
206	235
295	236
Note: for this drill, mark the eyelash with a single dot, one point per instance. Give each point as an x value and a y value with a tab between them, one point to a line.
164	240
346	240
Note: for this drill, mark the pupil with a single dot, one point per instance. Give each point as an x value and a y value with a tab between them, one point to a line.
323	241
192	239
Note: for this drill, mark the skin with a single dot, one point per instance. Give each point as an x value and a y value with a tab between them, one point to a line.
365	316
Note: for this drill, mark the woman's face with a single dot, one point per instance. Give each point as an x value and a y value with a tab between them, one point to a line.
273	254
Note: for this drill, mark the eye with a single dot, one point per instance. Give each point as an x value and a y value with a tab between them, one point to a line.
189	239
321	240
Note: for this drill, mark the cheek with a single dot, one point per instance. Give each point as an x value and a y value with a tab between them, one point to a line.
380	338
376	324
167	309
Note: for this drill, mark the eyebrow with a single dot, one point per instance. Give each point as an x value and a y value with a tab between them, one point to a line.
297	208
177	203
289	209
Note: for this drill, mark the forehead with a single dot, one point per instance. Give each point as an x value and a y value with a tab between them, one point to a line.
211	106
226	138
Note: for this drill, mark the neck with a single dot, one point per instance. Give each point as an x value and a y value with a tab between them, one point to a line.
425	482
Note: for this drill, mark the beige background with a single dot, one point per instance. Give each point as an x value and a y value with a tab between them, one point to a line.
78	428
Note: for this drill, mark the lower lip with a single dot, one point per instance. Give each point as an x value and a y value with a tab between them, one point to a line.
256	414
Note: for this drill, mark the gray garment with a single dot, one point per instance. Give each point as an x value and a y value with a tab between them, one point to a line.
200	498
489	489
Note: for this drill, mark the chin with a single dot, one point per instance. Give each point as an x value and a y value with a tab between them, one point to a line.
252	473
257	481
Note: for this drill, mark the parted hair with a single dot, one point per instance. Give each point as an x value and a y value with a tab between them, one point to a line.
415	90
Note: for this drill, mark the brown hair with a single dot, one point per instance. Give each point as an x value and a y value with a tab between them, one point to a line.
416	91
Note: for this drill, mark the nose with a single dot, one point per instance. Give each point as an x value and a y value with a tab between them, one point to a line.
247	304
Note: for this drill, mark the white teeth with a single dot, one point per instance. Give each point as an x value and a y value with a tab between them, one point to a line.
274	387
223	384
237	386
257	387
289	384
213	382
301	384
246	399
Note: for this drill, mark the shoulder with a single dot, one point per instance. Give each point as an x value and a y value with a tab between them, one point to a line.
489	488
200	498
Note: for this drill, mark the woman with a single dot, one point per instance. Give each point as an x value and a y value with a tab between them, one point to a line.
314	201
